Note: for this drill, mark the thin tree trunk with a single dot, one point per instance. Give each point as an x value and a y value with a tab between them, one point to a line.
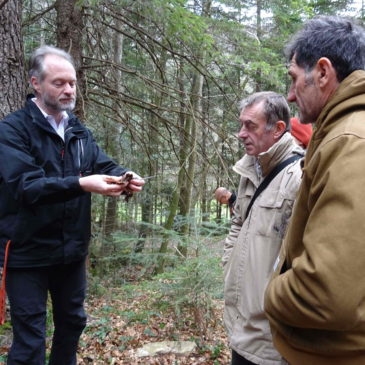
69	33
189	150
193	119
112	129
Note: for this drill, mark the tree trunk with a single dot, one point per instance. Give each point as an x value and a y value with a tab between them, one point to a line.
258	34
69	33
152	164
111	129
188	151
173	218
12	85
189	156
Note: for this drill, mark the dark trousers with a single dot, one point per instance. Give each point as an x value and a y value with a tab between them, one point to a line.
237	359
27	291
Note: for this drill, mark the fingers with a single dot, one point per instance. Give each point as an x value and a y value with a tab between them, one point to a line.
109	187
130	180
101	184
111	179
136	183
126	184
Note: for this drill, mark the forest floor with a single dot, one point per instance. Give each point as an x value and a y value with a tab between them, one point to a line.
110	338
118	326
123	318
113	338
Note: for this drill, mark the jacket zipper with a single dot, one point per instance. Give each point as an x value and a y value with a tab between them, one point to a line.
62	153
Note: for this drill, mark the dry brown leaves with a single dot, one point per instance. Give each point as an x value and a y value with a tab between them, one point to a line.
112	338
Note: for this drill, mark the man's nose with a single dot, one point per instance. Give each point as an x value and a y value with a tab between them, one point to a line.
243	132
291	95
69	88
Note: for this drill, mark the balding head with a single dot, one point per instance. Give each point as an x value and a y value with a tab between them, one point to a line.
222	195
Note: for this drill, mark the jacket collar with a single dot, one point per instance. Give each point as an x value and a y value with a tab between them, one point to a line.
74	125
269	159
349	96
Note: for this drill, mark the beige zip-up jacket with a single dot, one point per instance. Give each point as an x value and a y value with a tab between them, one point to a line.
252	247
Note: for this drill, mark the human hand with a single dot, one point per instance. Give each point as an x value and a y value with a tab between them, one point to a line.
136	183
130	181
101	184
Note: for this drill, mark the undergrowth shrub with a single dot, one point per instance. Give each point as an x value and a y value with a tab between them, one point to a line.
192	286
188	286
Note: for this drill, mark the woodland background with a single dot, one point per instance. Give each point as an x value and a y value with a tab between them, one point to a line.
159	82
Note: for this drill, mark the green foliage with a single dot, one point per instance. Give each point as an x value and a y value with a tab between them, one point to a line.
191	283
101	329
192	286
38	29
181	299
212	229
331	7
217	350
5	328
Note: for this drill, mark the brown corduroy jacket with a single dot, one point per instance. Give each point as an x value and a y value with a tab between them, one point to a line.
315	301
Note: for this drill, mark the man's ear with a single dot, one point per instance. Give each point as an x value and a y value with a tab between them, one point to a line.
35	83
325	72
280	128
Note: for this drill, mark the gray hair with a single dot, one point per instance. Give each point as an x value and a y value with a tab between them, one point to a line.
338	39
275	107
36	61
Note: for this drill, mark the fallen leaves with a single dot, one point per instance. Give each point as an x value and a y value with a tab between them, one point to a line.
112	338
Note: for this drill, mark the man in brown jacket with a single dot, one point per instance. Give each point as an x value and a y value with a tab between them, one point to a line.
316	300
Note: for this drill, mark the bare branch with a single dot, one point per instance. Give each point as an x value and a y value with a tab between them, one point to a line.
37	16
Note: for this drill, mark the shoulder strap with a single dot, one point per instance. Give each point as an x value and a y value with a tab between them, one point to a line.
268	179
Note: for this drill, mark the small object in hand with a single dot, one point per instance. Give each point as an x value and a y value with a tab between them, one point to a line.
124	181
128	194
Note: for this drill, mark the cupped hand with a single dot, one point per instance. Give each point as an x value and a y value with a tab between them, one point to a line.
101	184
136	183
130	181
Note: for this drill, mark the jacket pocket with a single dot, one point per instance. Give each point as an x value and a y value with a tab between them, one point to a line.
274	214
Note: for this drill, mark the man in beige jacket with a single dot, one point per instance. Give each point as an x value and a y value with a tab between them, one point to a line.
254	241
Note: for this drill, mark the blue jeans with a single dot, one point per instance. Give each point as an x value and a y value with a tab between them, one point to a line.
237	359
27	291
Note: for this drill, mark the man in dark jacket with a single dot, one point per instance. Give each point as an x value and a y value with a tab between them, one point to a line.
50	165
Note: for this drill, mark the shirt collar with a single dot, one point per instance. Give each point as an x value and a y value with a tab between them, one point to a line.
61	126
65	116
